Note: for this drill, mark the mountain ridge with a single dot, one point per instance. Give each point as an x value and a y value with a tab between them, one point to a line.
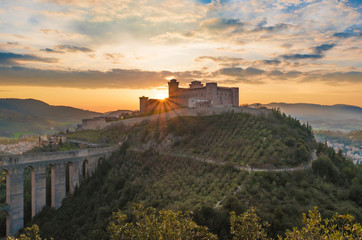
333	117
31	116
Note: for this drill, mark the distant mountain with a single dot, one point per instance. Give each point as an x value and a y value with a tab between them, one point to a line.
29	116
334	117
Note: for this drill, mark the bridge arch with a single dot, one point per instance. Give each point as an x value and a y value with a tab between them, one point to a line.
85	168
100	160
5	201
6	179
50	185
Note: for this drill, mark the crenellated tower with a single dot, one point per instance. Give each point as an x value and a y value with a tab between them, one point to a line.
172	88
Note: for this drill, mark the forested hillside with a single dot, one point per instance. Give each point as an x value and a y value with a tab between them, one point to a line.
211	191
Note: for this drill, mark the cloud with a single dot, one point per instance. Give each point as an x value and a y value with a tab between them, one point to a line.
67	48
239	75
114	78
302	56
353	77
262	27
271	62
235	61
8	58
250	75
218	59
322	48
352	31
222	24
113	57
222	60
139	79
317	53
238	71
50	50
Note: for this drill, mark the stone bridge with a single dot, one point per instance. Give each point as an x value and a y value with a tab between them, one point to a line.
74	165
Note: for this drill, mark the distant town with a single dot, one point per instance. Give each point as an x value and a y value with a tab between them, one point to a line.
352	150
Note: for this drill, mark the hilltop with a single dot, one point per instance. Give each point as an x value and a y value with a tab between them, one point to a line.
156	166
30	116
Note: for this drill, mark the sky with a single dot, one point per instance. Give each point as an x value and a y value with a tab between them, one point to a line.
102	55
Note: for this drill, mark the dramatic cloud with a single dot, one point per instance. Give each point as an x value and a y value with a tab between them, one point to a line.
67	48
317	52
137	44
7	58
217	24
115	78
262	27
352	31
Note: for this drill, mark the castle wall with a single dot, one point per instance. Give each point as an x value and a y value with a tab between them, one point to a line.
94	123
217	95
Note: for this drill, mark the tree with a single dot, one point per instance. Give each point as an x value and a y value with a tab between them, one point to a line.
31	233
339	227
247	226
153	225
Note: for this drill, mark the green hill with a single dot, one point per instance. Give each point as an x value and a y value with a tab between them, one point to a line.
29	116
145	171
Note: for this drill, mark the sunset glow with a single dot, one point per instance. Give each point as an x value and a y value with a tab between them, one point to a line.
102	55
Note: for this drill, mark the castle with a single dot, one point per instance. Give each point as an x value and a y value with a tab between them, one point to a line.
197	95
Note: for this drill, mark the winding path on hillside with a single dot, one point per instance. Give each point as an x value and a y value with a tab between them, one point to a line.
240	167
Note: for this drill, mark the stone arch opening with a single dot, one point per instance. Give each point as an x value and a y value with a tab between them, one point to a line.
69	171
100	161
50	186
29	193
85	170
4	202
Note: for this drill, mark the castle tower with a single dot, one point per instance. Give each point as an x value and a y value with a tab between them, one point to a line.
143	104
172	88
235	97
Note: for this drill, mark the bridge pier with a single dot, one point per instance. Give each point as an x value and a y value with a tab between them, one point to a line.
59	182
16	200
39	190
74	172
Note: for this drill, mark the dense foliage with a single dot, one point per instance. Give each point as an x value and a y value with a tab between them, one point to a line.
150	176
150	224
153	225
182	184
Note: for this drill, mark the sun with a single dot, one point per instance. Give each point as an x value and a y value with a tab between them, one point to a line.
161	95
